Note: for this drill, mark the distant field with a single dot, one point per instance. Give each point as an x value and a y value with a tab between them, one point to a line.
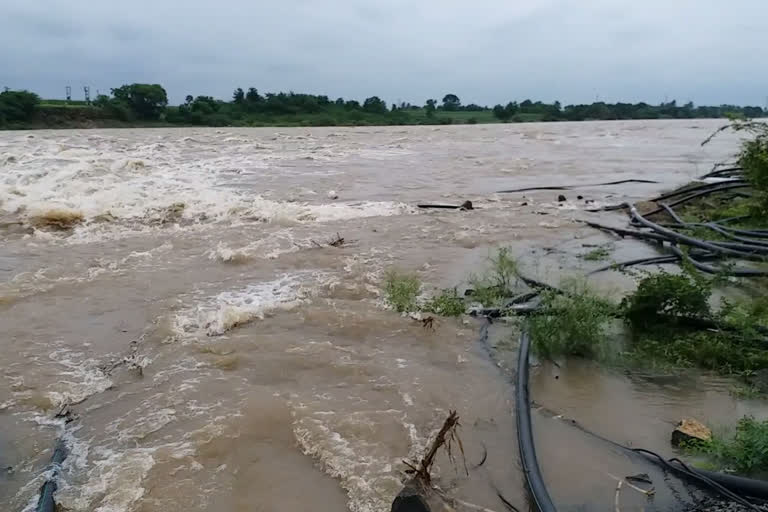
62	103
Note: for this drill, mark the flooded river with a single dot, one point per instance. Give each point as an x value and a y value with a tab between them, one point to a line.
217	355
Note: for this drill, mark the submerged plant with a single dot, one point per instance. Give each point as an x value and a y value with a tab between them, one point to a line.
495	284
597	254
402	291
448	303
574	323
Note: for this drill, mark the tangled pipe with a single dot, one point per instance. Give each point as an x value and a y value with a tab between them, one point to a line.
528	460
687	240
735	272
642	235
704	186
691	197
727	172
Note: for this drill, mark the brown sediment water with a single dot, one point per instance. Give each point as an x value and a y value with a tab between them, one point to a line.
263	372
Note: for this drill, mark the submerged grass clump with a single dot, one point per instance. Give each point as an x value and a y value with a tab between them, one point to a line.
597	254
574	323
745	451
402	291
491	288
448	303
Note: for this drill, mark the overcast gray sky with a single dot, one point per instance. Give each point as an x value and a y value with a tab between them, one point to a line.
485	51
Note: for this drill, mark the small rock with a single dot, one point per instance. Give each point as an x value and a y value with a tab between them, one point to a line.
467	205
579	197
690	431
561	198
332	194
523	204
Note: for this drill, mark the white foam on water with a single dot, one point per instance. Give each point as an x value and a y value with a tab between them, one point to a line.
268	248
344	450
227	310
136	185
81	378
115	480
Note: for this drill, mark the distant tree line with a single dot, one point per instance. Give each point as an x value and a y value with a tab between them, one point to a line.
611	111
149	103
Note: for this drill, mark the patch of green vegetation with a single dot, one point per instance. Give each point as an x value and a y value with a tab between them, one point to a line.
754	160
571	324
745	452
723	352
448	303
495	285
663	297
745	392
596	254
402	291
673	325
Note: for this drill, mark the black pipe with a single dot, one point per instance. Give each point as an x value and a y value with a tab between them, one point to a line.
739	484
656	260
528	460
46	502
568	187
628	232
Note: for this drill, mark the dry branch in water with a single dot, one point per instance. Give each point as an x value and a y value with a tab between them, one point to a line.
418	490
447	436
338	241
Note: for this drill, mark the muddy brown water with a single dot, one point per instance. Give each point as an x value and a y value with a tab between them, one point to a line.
264	372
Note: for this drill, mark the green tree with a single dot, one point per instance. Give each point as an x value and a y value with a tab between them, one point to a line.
17	105
205	105
501	113
375	105
147	101
238	97
253	96
451	102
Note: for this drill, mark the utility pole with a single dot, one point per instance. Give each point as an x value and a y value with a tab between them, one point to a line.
87	91
69	93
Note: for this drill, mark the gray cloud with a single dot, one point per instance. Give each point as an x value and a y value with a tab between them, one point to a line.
486	51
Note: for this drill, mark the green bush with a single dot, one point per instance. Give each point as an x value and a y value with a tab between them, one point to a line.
17	105
571	324
754	160
402	291
661	297
491	288
448	303
746	452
